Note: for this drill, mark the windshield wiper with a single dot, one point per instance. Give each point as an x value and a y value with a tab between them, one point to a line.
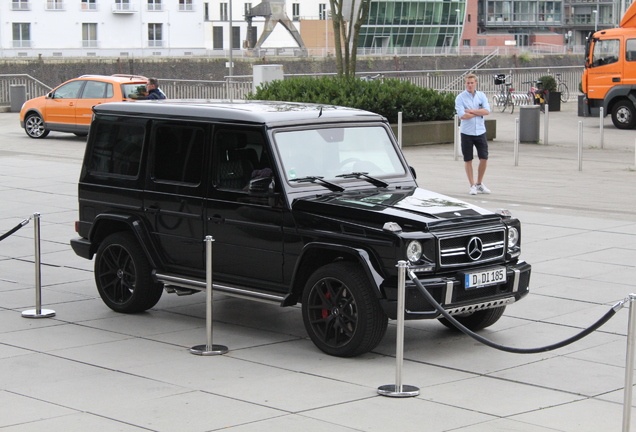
372	180
331	186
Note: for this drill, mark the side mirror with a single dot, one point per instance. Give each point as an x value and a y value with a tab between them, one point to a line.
49	95
413	172
261	187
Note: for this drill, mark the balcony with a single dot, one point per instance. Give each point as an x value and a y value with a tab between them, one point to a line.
155	43
53	5
90	44
124	8
88	6
186	7
155	7
21	44
20	5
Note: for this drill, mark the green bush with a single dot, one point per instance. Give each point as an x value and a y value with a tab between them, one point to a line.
385	97
548	83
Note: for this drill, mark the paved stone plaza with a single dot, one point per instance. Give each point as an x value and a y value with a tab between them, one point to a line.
89	368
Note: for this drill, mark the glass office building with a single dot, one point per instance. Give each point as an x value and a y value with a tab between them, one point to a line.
410	24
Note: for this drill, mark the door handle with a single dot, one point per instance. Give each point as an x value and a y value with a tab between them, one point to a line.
153	209
616	79
216	218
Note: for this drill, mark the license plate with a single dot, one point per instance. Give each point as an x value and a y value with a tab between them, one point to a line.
487	277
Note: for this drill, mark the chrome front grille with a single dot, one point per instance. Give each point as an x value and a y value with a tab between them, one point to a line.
472	248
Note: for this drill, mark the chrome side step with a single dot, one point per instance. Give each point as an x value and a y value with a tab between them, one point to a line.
170	280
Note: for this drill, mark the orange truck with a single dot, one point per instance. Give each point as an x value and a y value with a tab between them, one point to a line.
609	78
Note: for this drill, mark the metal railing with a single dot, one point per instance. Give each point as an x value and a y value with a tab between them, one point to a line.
34	88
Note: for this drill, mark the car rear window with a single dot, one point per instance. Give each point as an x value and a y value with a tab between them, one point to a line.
134	91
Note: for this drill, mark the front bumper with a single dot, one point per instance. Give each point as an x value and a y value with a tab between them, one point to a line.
450	293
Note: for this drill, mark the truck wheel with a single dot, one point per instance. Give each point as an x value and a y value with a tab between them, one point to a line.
342	314
624	115
476	320
123	275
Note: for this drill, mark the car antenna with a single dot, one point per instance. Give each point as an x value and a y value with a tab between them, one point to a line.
320	113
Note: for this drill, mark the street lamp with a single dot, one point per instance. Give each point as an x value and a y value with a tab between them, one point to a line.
595	12
458	30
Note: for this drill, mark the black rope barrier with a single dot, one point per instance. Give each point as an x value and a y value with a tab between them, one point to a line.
14	229
618	306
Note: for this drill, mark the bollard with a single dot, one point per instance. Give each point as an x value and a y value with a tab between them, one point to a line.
38	312
400	129
399	390
208	349
456	136
516	144
601	126
580	149
629	364
545	124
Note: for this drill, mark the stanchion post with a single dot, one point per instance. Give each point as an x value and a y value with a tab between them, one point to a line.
400	129
399	389
516	144
580	146
601	126
456	136
38	312
629	364
546	117
209	349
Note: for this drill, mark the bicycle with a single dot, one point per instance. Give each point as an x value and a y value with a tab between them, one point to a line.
504	98
562	88
536	95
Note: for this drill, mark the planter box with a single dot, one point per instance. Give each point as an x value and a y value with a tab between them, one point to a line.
436	132
554	99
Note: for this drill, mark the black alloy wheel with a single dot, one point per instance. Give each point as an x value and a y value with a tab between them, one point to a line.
342	316
123	275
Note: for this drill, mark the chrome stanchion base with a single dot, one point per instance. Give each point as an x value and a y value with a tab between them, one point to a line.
391	390
33	313
205	350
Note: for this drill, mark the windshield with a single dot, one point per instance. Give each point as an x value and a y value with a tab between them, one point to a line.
134	91
332	152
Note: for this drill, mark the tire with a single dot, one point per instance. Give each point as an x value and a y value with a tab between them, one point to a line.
476	320
34	126
503	104
565	93
123	275
623	115
342	314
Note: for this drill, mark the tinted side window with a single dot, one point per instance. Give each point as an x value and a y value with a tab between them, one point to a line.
117	147
239	158
178	153
630	50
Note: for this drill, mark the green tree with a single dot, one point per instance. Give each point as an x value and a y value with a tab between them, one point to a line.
347	18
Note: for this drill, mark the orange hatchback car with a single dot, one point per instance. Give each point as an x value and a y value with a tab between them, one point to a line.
68	108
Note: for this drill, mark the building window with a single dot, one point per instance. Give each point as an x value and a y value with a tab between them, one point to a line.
89	4
155	35
185	5
481	42
21	35
206	11
217	38
223	11
54	5
89	35
466	42
322	11
296	11
154	5
20	5
122	5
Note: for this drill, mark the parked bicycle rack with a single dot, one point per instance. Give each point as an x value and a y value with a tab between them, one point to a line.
38	312
399	390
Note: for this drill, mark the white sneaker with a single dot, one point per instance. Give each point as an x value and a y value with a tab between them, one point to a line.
481	188
473	190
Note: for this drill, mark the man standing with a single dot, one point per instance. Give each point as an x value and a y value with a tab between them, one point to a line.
471	107
153	89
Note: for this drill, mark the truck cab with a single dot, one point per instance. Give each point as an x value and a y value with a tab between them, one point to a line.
609	78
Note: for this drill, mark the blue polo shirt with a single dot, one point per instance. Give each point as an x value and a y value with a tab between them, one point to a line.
476	125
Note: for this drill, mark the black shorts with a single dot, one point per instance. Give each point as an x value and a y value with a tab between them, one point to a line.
480	143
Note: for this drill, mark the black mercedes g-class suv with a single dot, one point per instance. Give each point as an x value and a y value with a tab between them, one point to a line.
305	203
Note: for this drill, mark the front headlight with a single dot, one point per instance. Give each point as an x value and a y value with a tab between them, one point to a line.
414	251
513	237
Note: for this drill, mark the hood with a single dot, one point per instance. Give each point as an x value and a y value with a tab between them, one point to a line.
404	206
